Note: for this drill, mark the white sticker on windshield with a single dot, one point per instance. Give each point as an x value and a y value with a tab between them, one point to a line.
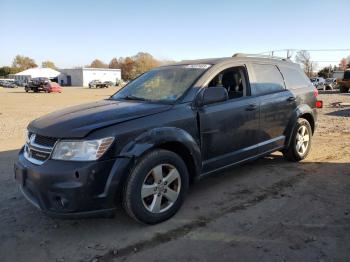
198	66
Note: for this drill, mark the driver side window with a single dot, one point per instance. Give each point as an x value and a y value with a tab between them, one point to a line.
233	80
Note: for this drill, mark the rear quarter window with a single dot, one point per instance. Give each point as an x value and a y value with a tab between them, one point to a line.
294	78
268	79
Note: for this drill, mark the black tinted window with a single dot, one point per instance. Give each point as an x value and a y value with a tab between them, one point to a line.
294	78
233	79
268	79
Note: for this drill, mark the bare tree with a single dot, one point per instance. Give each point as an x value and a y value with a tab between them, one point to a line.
303	58
344	64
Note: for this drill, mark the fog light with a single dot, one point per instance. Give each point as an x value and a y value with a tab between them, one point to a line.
61	202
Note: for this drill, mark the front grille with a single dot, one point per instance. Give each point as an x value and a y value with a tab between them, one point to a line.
38	148
45	141
41	156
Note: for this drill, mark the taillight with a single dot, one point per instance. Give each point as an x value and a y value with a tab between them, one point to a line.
319	104
315	92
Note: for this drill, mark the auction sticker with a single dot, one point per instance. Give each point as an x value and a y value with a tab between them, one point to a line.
198	66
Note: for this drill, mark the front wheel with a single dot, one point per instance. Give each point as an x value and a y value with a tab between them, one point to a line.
156	187
300	143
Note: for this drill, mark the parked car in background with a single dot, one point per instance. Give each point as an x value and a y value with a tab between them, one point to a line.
94	83
36	84
170	126
330	84
20	83
8	83
52	87
108	84
99	84
318	82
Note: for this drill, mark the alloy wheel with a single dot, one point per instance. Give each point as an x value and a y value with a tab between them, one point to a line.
161	188
302	140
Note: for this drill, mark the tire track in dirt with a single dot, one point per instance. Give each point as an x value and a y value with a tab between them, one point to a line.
200	222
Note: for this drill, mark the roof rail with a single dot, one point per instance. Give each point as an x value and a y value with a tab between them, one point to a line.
261	56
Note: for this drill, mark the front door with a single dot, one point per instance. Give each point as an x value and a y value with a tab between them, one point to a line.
229	130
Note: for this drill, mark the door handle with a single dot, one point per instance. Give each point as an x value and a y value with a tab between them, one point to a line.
290	99
252	107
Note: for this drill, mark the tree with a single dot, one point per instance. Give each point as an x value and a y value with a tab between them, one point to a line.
344	64
303	57
326	72
23	62
114	64
144	62
48	64
98	64
128	68
7	70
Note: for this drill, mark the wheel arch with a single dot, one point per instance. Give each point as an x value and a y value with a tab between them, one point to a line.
173	139
303	111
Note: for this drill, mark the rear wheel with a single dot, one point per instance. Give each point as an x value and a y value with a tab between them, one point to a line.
156	187
300	143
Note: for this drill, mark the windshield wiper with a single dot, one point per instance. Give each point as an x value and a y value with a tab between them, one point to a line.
131	97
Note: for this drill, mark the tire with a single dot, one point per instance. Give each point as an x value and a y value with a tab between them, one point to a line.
143	180
343	89
295	152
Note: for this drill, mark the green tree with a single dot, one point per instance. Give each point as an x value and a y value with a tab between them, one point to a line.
326	72
7	70
98	64
23	62
48	64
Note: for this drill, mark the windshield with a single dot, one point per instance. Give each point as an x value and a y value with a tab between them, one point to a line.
162	84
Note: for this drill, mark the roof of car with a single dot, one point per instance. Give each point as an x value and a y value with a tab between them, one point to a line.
237	57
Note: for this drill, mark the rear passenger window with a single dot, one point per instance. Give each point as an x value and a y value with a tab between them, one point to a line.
268	79
294	79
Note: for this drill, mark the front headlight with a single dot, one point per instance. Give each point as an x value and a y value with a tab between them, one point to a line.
81	150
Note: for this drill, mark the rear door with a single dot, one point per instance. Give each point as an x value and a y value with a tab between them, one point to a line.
276	105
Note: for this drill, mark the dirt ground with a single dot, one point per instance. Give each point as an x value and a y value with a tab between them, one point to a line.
268	210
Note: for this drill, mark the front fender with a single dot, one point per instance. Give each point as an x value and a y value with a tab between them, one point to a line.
161	135
140	145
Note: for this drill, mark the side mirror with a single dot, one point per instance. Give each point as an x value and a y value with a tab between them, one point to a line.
213	95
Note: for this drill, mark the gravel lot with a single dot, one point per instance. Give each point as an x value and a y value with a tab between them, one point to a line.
268	210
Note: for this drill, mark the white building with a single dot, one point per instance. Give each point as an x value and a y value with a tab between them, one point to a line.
82	76
338	74
26	75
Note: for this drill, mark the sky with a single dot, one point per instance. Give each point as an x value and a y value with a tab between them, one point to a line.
75	32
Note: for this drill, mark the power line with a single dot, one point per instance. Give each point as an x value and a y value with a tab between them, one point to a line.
309	50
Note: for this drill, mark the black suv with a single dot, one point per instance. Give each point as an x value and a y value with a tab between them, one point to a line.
172	125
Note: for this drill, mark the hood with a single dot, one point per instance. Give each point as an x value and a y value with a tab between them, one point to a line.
78	121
